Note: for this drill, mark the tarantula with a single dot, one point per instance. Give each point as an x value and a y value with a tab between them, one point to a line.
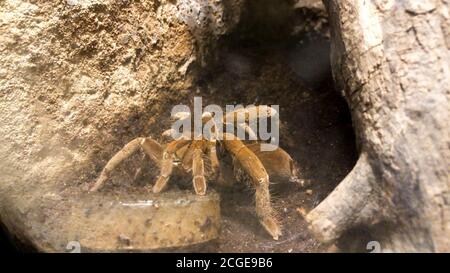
186	156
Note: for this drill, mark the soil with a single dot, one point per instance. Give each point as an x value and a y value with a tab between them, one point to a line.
316	131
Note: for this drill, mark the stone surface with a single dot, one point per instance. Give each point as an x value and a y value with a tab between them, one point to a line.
78	80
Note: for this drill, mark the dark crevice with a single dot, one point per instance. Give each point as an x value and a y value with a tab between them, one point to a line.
265	61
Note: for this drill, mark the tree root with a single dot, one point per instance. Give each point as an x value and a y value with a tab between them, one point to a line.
355	201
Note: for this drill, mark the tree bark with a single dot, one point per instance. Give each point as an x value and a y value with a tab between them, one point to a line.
391	60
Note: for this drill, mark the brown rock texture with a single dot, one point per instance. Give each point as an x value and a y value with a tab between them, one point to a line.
75	74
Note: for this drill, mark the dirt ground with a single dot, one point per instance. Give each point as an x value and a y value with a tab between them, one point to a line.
316	130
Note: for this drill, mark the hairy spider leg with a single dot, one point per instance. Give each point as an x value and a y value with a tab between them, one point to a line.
150	146
167	164
251	164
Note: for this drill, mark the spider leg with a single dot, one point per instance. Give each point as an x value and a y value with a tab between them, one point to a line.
153	149
129	149
251	164
212	150
211	141
167	164
215	165
186	161
198	169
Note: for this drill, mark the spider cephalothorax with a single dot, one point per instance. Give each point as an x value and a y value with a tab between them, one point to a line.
187	156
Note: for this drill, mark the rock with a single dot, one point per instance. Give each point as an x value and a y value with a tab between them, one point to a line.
68	103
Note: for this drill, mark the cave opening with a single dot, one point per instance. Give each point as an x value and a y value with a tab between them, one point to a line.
279	54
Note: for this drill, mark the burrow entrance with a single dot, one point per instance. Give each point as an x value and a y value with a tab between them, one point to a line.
280	55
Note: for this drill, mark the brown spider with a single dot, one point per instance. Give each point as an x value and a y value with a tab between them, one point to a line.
186	156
